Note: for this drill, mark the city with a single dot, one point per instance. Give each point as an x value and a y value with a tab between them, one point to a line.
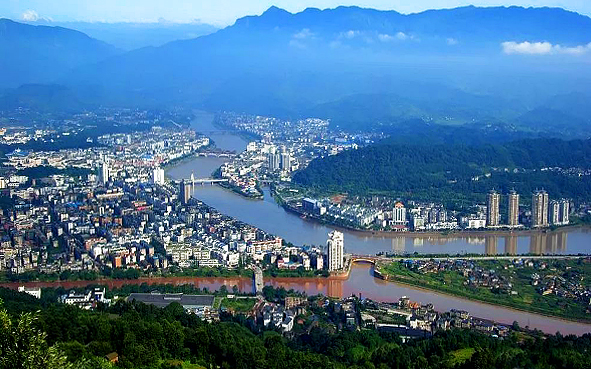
203	185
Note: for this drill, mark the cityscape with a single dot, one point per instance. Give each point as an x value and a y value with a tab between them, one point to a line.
196	185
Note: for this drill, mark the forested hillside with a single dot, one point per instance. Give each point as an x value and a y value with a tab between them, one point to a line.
454	172
148	337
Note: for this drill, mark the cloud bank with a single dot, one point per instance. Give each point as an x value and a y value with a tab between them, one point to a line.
30	16
542	48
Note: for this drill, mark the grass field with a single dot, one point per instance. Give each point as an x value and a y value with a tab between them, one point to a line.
238	305
527	298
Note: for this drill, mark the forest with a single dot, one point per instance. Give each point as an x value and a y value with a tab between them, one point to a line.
455	173
40	333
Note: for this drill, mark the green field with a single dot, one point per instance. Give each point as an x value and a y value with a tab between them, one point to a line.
527	298
238	305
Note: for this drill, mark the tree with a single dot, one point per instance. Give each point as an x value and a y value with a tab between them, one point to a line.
22	346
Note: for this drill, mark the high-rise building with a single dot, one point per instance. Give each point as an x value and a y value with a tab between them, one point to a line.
185	192
554	214
273	159
104	173
492	209
513	209
564	211
285	162
335	251
539	211
399	214
158	176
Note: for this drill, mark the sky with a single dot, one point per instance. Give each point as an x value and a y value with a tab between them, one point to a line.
225	12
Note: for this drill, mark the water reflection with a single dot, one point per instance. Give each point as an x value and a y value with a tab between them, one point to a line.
511	245
490	247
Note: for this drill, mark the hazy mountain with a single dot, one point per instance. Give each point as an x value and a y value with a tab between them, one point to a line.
364	67
129	36
39	54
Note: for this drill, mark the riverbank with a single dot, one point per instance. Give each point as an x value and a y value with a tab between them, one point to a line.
431	234
425	283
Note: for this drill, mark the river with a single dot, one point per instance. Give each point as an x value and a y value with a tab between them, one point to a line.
360	282
267	215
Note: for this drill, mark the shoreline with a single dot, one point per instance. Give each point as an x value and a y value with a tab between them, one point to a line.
434	234
504	306
278	281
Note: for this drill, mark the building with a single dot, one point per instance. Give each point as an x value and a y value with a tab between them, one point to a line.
399	214
513	209
564	212
33	291
158	176
554	213
335	250
185	192
197	304
104	173
492	209
274	159
285	160
539	211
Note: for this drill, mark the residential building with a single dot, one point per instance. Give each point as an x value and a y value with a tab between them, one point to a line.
158	176
185	192
564	212
539	209
104	173
492	209
513	209
335	250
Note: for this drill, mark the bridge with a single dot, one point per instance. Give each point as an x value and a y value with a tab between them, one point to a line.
193	181
215	154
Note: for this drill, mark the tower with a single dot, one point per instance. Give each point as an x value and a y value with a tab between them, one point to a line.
539	209
185	192
158	176
513	209
492	209
335	250
104	173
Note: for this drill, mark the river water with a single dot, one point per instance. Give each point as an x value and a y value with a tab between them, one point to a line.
360	282
267	215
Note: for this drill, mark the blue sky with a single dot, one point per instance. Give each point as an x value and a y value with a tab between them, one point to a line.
224	12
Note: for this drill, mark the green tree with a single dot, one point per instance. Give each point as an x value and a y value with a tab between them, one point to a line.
23	346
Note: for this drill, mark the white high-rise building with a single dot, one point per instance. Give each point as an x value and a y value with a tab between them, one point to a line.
564	211
104	173
539	209
513	210
158	176
335	251
492	209
554	214
399	214
274	159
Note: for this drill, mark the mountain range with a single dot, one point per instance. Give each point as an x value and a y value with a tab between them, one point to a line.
359	67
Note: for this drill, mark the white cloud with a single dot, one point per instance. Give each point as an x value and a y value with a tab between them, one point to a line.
30	16
401	36
303	34
349	34
451	41
542	48
385	38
